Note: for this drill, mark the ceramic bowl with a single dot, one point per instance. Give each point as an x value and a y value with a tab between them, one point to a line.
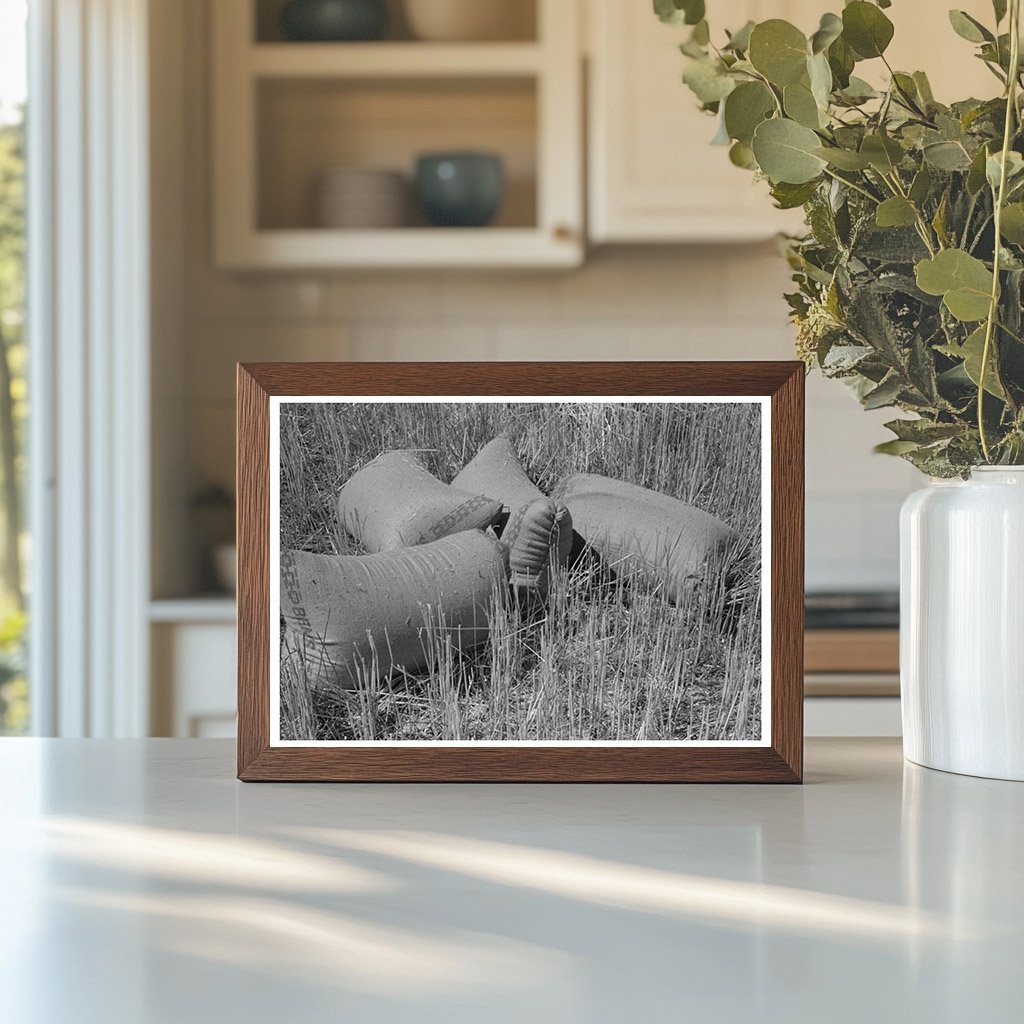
470	20
225	566
334	20
460	189
358	197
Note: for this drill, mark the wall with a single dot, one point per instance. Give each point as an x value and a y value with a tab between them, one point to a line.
666	303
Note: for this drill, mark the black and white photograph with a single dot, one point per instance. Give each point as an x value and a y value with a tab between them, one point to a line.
458	570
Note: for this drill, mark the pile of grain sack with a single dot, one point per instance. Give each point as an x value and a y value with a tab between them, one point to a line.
440	553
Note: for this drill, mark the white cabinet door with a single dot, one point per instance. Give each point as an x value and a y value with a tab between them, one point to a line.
653	175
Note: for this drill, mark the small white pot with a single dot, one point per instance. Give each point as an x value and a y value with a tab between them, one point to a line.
962	624
469	20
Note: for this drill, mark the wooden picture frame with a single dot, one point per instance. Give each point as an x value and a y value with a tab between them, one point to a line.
777	757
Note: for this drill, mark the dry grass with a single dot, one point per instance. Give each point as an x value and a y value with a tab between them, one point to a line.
602	659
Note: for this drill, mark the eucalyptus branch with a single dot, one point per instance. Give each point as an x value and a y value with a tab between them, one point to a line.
1000	200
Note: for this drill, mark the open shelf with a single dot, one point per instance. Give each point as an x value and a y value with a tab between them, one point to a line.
287	113
306	128
393	60
520	17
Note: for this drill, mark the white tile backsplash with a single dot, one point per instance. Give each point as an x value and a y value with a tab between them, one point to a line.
704	303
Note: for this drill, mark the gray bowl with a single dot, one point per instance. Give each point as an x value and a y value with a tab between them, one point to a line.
334	20
461	190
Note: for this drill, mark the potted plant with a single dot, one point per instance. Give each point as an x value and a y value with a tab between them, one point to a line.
909	285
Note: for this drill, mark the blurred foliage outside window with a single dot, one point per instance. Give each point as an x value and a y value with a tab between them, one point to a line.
14	705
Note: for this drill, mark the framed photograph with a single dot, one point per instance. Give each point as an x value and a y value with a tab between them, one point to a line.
520	572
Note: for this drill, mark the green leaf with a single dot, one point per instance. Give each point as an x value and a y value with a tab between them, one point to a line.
921	185
882	153
746	107
924	87
800	105
963	281
999	7
971	352
1012	226
741	155
923	431
896	212
676	12
896	447
947	156
820	76
1014	169
885	394
830	29
858	91
708	80
778	50
976	174
866	29
739	41
844	159
969	28
785	152
841	60
789	197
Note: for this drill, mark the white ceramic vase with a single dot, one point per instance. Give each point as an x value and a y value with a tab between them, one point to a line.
962	624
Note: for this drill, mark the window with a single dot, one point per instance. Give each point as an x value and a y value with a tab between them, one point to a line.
14	549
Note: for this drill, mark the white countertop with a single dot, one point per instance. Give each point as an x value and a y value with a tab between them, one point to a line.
143	885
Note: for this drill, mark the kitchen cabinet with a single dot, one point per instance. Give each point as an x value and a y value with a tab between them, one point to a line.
286	113
192	647
653	175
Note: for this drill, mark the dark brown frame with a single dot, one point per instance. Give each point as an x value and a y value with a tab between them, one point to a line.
782	761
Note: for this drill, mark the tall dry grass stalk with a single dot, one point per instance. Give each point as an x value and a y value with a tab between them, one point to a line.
602	658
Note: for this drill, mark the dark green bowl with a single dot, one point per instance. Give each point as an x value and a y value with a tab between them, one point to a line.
334	21
461	190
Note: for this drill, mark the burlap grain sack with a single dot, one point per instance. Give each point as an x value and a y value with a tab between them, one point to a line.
364	616
497	472
641	533
395	502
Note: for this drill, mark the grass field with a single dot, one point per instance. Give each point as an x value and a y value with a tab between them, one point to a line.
602	658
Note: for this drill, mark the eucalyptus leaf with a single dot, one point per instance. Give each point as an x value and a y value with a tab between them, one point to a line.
842	61
676	12
1014	169
789	197
786	152
800	105
866	29
883	153
1012	226
745	108
896	447
947	156
895	212
829	30
884	395
969	28
819	74
924	87
972	353
708	80
739	41
741	155
963	281
844	159
779	51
